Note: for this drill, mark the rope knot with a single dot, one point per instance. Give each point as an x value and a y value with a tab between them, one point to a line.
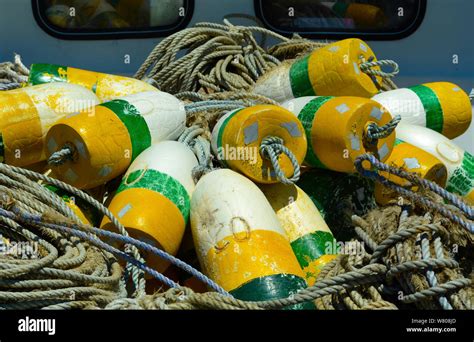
271	148
375	132
61	156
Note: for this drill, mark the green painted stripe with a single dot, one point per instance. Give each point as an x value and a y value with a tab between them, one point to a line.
398	142
312	246
220	134
136	125
340	8
462	180
434	112
46	73
306	116
273	287
299	78
161	183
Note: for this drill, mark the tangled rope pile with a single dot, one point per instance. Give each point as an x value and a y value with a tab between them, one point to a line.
13	75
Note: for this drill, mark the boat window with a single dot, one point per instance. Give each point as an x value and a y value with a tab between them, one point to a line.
111	19
368	19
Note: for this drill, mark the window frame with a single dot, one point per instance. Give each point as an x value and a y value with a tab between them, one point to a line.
327	34
86	34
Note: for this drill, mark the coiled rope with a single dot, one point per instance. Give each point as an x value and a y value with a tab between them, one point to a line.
13	75
271	148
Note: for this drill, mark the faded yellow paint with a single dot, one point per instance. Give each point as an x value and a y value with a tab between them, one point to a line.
313	269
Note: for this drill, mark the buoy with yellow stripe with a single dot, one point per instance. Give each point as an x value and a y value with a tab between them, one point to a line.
459	163
441	106
239	240
363	15
95	147
310	237
333	70
107	87
153	199
411	159
336	129
26	115
238	135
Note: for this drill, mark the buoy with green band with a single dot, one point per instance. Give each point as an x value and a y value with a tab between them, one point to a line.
441	106
310	237
336	127
459	163
26	115
153	200
107	87
83	210
104	142
411	159
333	70
240	242
363	15
237	136
338	196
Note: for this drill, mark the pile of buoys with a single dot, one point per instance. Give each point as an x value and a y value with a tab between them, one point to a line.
268	193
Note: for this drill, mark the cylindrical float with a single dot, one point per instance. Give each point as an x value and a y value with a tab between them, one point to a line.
310	237
338	196
411	159
442	106
107	87
459	163
103	143
153	200
239	240
26	115
237	136
336	129
333	70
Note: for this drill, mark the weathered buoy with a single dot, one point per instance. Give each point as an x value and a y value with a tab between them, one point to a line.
103	143
336	129
333	70
153	200
338	196
26	114
442	106
107	87
310	237
411	159
459	163
239	241
238	135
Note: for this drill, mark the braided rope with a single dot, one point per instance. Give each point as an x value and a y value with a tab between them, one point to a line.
60	157
375	132
368	68
271	148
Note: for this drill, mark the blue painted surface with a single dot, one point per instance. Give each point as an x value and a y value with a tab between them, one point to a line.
425	56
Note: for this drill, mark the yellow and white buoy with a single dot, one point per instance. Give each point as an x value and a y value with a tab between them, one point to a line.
103	143
459	163
411	159
442	106
336	129
239	240
310	237
333	70
153	199
238	135
107	87
26	115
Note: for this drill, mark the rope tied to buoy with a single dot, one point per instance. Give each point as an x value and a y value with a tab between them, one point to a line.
368	68
271	148
61	156
375	132
372	172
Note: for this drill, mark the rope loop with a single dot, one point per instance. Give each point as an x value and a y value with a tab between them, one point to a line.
61	156
271	148
367	67
375	132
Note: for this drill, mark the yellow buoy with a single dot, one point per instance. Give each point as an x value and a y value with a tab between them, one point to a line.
310	237
237	136
26	115
333	70
153	200
103	143
459	163
441	106
239	240
411	159
107	87
336	129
